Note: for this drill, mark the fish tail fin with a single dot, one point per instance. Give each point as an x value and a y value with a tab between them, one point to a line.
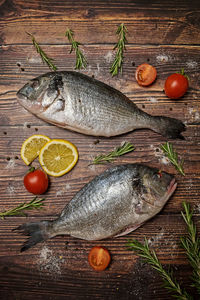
37	232
169	127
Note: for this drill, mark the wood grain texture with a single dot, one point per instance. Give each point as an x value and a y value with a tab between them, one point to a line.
169	39
147	22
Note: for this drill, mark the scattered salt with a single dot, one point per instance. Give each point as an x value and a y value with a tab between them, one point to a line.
109	56
34	60
161	157
169	243
92	168
123	142
194	112
155	239
59	193
89	69
198	207
50	263
25	125
67	186
190	110
191	64
10	189
63	190
11	164
92	146
97	71
197	116
164	160
152	99
162	58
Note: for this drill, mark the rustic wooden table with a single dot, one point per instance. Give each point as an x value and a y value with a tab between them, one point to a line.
166	35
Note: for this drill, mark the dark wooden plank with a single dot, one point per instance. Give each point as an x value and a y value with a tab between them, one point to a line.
166	60
95	22
147	151
166	37
68	267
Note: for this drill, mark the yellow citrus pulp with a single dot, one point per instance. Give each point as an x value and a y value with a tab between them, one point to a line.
58	157
31	147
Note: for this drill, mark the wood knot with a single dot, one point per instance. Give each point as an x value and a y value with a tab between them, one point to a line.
193	18
90	13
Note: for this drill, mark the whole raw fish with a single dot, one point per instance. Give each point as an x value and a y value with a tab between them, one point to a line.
114	203
75	101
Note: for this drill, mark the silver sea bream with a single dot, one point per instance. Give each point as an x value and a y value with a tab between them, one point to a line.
80	103
114	203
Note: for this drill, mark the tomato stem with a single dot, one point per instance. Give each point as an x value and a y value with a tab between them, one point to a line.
31	169
182	72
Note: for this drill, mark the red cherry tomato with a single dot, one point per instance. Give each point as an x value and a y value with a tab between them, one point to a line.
99	258
145	74
176	85
36	181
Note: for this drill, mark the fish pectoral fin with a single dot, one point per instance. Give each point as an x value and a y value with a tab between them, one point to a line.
128	230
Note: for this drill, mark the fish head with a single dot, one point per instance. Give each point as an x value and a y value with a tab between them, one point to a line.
39	93
157	187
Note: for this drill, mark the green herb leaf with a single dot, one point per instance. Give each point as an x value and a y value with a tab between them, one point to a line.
81	61
172	155
108	158
120	46
191	244
151	258
19	210
44	57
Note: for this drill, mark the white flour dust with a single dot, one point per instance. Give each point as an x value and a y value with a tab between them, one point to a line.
50	263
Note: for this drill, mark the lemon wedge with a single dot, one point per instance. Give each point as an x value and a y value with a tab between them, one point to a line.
58	157
31	147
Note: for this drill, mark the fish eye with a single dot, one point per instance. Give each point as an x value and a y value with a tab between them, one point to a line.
35	84
157	175
28	90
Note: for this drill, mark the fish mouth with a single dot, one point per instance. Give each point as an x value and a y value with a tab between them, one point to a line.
170	190
171	187
21	96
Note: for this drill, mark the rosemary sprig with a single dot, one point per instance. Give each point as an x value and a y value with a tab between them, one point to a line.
19	210
108	158
150	257
81	61
44	57
172	155
191	244
120	46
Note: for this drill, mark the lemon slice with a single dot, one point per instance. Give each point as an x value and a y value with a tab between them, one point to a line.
31	147
58	157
